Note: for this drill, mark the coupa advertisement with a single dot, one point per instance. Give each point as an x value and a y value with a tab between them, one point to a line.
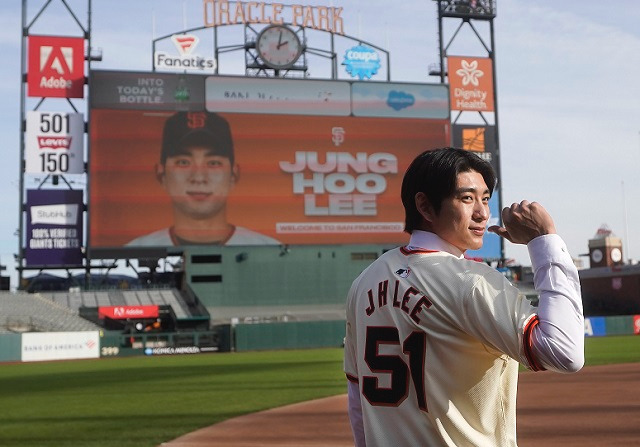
258	167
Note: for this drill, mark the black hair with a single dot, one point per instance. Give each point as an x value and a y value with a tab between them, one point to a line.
434	173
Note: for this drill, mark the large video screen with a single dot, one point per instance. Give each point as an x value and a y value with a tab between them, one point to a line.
180	160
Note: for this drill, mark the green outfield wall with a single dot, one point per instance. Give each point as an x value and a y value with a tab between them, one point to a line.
10	347
619	325
297	335
263	336
275	275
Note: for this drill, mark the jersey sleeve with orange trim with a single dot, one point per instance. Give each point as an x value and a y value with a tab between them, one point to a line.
501	317
550	336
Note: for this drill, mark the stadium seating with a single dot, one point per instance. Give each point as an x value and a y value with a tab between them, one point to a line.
59	311
22	312
142	297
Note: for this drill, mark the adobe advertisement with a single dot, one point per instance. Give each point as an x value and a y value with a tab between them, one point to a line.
471	83
260	166
56	67
54	227
126	312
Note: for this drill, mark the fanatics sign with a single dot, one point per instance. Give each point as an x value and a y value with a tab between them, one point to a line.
56	67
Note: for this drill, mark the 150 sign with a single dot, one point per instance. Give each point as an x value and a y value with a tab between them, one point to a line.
54	143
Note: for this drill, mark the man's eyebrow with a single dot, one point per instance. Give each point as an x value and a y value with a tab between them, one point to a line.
473	190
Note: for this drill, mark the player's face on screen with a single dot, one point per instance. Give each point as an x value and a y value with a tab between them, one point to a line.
198	182
463	217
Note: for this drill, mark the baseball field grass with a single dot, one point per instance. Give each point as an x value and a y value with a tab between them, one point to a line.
143	401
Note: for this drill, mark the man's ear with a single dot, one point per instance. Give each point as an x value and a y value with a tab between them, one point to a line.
160	173
424	207
235	173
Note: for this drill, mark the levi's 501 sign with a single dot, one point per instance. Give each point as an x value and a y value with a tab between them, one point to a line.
54	143
56	67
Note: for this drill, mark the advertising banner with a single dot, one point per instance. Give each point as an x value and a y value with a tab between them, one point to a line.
146	91
56	67
482	141
183	56
278	96
124	312
39	346
361	61
394	100
595	327
180	350
471	83
54	227
54	143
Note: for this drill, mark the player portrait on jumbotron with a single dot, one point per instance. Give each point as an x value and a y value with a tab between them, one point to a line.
197	169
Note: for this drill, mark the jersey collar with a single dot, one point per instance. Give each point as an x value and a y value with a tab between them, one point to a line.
424	240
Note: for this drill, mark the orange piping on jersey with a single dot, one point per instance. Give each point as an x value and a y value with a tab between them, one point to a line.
351	378
528	344
407	252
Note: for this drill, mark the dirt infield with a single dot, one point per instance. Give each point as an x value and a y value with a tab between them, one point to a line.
599	406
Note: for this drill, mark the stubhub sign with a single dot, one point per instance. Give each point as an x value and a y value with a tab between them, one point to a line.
58	214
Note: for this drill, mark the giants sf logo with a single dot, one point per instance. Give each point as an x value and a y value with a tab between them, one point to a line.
196	120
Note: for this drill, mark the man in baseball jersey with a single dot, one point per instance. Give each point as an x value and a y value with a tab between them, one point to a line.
198	171
433	340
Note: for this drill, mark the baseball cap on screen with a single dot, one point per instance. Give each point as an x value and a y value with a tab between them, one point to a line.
203	129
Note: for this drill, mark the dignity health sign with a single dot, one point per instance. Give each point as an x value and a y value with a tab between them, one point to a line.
470	83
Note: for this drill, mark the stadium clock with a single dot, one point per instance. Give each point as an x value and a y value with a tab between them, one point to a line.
616	255
278	46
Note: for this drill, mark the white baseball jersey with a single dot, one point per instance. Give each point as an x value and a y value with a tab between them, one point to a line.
433	341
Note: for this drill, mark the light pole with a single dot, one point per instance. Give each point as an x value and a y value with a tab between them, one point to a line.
626	228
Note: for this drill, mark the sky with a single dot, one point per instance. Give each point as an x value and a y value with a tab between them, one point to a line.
567	85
